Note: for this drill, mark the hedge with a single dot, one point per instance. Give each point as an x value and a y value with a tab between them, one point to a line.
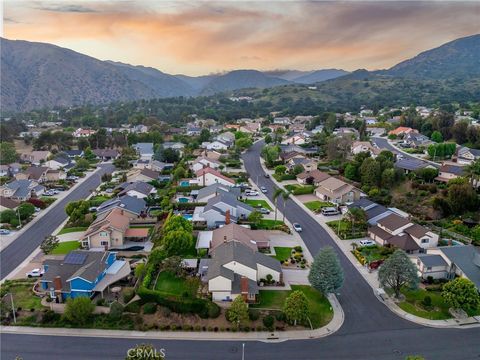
187	206
179	305
187	189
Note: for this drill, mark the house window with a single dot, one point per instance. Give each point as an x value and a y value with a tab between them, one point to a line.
103	233
104	243
429	268
85	243
424	241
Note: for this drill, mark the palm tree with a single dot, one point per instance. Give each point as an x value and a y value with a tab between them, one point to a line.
473	172
276	194
285	196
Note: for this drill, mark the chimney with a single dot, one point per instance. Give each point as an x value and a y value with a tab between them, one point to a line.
244	287
227	217
57	283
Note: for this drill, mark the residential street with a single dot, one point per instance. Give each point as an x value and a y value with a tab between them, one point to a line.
17	251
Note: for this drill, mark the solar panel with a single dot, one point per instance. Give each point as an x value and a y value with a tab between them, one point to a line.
75	259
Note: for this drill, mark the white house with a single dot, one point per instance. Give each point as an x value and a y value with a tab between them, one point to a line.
297	139
202	162
236	269
216	145
466	156
208	176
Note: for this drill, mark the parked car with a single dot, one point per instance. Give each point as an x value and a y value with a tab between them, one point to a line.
92	209
109	191
367	243
48	193
297	227
263	189
35	273
4	232
251	193
264	211
267	176
330	211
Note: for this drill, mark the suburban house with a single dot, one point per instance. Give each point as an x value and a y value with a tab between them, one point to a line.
336	191
250	127
82	273
35	157
112	230
235	269
81	133
174	145
21	190
307	163
222	209
255	239
448	262
402	130
448	172
298	149
282	121
297	127
206	193
106	154
400	232
217	145
194	131
466	156
145	175
8	204
364	146
138	189
415	140
208	176
410	164
72	154
59	162
346	131
203	162
36	173
159	166
312	177
375	211
297	139
144	150
132	206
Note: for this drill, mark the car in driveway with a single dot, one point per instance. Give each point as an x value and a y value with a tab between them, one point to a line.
367	242
263	189
4	232
264	211
251	193
297	227
35	273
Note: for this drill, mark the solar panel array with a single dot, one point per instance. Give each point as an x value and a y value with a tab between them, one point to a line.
75	259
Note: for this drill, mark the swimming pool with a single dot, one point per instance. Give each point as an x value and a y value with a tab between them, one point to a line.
183	200
188	217
185	183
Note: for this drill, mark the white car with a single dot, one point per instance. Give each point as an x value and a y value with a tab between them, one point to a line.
251	193
4	232
297	227
263	189
367	243
35	273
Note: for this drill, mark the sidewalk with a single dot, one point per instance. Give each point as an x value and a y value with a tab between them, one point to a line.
330	328
372	279
7	240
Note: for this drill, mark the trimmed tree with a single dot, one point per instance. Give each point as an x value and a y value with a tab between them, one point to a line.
238	311
79	310
49	244
397	271
326	273
461	293
296	307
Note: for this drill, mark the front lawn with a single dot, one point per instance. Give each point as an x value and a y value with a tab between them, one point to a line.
269	224
258	204
167	283
300	189
66	247
413	304
368	254
344	230
67	230
282	253
321	312
316	205
23	296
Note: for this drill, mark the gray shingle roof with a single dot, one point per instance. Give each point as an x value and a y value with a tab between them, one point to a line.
432	260
139	186
467	258
217	187
144	148
410	164
132	204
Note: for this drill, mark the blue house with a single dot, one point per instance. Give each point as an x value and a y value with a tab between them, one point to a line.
82	273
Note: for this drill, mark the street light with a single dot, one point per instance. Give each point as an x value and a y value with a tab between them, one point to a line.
13	307
243	351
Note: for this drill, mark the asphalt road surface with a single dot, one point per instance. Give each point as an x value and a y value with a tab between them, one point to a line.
370	330
15	253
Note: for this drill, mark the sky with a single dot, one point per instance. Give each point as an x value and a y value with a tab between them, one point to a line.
202	37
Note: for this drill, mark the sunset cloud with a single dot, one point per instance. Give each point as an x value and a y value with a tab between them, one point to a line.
203	37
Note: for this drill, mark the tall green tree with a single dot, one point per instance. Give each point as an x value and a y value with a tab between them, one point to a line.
398	271
49	244
326	273
238	312
296	307
437	136
461	293
8	153
79	310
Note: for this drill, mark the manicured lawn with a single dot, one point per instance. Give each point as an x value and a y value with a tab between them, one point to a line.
320	309
344	230
23	296
300	189
72	229
258	204
168	283
317	205
268	224
282	253
413	304
66	247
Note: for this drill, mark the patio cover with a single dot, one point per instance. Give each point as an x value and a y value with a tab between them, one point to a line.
117	271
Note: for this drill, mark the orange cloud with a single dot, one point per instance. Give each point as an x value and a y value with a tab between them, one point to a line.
202	37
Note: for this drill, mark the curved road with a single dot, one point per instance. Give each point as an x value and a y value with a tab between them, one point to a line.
370	330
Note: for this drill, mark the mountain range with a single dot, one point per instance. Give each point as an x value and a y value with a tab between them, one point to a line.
38	75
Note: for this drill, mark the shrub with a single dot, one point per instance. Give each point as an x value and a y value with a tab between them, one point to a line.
116	310
268	322
50	317
198	328
427	301
280	316
253	314
133	307
100	302
79	310
128	294
150	308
